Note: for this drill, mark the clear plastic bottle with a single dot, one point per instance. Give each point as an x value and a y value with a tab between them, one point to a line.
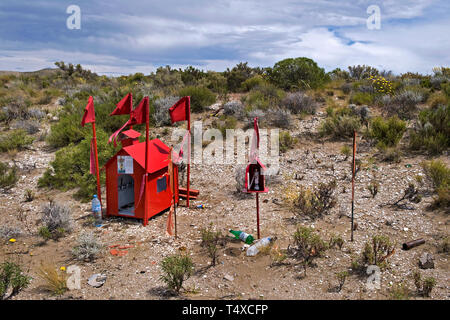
254	249
97	210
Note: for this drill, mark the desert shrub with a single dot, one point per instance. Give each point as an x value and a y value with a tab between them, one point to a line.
253	82
432	131
446	89
8	176
317	201
387	133
56	218
210	242
297	73
373	187
399	291
264	96
234	108
362	72
176	269
201	97
346	88
423	286
377	251
54	279
340	126
67	130
29	195
361	98
404	103
437	99
381	85
307	245
237	75
8	232
88	247
341	277
286	141
224	123
14	140
12	279
443	246
280	118
161	115
439	175
70	168
30	126
299	103
36	114
336	240
346	151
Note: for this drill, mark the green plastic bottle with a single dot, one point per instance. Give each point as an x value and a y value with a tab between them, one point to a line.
245	237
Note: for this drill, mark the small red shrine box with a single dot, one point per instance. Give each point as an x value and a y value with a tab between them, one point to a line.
254	178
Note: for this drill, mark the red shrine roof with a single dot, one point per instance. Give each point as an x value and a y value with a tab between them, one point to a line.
131	134
158	155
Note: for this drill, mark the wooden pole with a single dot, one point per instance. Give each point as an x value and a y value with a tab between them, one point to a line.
353	178
257	214
97	171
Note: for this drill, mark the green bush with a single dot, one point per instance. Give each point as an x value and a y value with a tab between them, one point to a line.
253	82
387	133
210	241
432	132
12	277
377	251
297	73
176	269
8	176
316	201
423	286
362	98
340	124
71	166
201	97
308	245
14	140
236	76
286	141
439	175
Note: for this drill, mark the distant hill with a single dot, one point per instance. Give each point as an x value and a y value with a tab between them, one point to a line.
46	71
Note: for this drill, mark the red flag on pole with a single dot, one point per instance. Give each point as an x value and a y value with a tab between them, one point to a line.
254	148
180	111
124	106
89	113
140	114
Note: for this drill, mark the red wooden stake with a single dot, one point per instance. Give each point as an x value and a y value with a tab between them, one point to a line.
99	190
257	214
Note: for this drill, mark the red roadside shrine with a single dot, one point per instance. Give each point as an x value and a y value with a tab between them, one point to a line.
124	177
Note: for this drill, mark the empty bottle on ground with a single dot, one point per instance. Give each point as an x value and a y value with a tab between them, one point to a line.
245	237
97	210
254	249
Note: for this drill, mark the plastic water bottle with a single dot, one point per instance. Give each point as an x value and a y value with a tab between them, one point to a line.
254	249
97	210
200	206
245	237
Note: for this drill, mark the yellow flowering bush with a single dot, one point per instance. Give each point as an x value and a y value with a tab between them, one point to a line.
381	85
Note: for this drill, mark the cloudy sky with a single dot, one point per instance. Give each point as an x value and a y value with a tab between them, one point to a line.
123	37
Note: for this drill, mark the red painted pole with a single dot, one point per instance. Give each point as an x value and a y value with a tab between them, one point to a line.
257	214
353	178
97	171
189	152
147	116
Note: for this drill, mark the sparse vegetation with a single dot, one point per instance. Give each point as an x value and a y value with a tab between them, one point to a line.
316	201
423	286
308	246
439	175
176	269
341	277
54	279
88	247
8	176
210	241
12	280
56	220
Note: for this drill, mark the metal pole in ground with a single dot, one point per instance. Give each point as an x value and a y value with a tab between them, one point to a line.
257	214
353	178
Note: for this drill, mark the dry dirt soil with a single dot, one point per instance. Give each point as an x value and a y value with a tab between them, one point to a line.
136	275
